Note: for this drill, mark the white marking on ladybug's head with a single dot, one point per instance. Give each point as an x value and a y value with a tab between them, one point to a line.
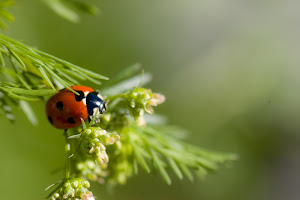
84	101
99	104
86	93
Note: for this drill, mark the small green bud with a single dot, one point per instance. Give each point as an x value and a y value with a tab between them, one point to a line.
106	159
102	147
67	184
55	195
87	131
75	184
95	134
99	161
116	137
92	150
74	189
110	140
86	184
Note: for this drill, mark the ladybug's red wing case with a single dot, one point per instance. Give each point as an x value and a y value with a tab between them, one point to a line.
65	109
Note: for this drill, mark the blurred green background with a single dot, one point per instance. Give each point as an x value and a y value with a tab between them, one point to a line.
230	73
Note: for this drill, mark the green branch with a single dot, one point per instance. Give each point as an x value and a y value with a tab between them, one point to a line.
29	74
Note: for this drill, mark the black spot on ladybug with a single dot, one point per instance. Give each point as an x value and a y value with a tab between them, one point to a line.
59	105
80	96
50	119
71	120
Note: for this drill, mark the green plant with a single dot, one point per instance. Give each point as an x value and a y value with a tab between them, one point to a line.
68	8
111	148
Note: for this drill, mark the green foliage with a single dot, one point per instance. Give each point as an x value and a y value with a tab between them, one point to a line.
29	74
68	8
5	15
153	147
112	146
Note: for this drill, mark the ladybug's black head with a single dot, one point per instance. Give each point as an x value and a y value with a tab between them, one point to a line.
94	101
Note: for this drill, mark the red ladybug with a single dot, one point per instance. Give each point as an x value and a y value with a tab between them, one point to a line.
65	108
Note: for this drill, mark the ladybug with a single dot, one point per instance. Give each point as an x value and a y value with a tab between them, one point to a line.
65	109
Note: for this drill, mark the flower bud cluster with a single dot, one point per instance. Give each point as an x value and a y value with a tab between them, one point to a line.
73	189
94	141
92	171
141	100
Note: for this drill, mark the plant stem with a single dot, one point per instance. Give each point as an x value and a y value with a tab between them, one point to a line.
68	153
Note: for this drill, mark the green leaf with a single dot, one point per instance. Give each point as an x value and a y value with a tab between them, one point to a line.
160	165
6	15
126	85
43	92
22	80
44	74
73	73
141	151
211	155
175	168
89	78
186	171
12	95
206	163
62	10
67	77
124	74
70	65
135	167
2	62
13	54
65	84
28	112
187	157
86	8
140	159
86	71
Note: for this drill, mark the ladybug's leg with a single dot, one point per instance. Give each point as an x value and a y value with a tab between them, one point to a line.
66	134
